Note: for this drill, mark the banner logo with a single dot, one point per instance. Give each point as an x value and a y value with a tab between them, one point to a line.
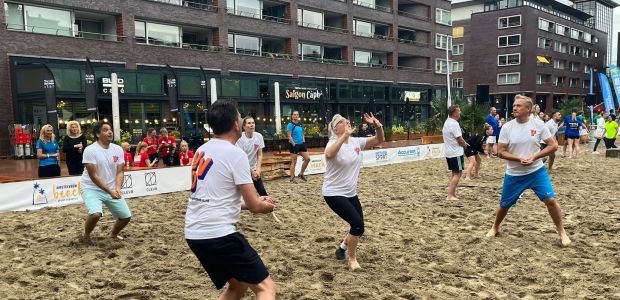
127	182
381	155
150	179
38	195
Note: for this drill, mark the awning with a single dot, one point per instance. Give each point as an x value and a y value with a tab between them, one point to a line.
542	59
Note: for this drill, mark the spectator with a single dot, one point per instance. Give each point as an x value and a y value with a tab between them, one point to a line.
47	153
73	146
185	155
151	141
167	145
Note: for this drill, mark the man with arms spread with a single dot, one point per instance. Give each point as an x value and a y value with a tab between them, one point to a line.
519	143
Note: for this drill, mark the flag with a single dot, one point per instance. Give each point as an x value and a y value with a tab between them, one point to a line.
49	85
606	89
90	88
171	83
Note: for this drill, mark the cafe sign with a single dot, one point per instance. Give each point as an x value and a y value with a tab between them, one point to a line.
299	93
412	96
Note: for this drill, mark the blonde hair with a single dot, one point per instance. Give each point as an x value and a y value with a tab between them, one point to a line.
140	146
183	142
42	134
528	101
330	129
71	123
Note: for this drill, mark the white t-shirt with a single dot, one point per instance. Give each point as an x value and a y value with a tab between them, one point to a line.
215	200
250	146
600	123
553	128
342	171
107	161
451	131
523	140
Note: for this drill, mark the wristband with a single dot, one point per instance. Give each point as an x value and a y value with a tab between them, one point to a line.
48	156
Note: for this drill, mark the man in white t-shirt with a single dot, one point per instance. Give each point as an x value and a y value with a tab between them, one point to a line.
102	181
552	125
454	148
252	143
221	187
519	144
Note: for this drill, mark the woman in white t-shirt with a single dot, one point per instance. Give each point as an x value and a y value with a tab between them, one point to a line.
252	143
343	155
600	128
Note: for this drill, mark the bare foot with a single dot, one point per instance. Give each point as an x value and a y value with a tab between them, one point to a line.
86	240
493	232
452	198
353	264
565	240
468	178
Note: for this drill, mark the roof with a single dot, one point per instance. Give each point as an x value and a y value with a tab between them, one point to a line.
555	5
610	3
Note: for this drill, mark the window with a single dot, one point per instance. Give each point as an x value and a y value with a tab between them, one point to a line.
458	49
508	78
587	38
586	69
573	66
458	32
559	81
442	41
362	58
14	16
509	59
539	79
585	84
542	63
308	18
457	66
247	8
38	19
559	64
587	53
507	22
158	34
574	50
509	40
363	28
442	16
457	82
310	52
561	29
574	34
544	43
441	66
243	44
573	82
546	25
560	47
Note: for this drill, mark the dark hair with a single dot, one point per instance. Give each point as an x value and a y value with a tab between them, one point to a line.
452	109
97	128
555	112
148	131
613	117
222	116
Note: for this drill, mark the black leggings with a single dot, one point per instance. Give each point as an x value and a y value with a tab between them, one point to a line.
350	210
259	186
610	143
598	141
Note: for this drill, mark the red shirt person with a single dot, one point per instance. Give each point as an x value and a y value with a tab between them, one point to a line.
186	155
152	142
127	154
167	145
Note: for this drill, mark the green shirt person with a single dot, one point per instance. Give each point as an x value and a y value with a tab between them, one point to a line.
611	128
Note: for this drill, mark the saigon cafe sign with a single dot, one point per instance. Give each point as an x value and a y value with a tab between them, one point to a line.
300	93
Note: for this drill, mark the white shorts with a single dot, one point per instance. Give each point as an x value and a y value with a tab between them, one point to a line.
491	140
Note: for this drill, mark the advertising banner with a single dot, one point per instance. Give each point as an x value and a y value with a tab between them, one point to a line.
608	99
615	81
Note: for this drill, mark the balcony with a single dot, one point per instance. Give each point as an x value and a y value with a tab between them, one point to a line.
328	21
270	47
414	63
415	37
271	11
371	30
415	11
326	54
199	39
174	36
207	5
381	5
368	59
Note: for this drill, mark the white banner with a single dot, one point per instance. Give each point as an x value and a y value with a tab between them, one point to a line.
40	193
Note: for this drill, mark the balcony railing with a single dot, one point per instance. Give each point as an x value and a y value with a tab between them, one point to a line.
406	41
254	52
323	27
201	47
415	69
374	65
373	36
414	16
190	4
251	13
328	61
372	6
65	32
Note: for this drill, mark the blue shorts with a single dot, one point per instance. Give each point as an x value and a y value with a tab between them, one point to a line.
514	186
95	198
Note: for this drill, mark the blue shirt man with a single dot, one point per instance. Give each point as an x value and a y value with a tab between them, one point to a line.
492	121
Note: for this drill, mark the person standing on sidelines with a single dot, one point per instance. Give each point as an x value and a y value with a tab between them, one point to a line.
611	132
102	181
343	156
454	145
473	150
73	146
152	141
519	144
47	153
297	146
252	143
495	125
600	129
552	125
573	125
222	186
167	145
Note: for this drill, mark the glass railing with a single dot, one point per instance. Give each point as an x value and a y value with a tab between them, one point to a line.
323	60
254	52
201	47
256	14
65	32
372	35
414	16
372	6
323	27
374	65
275	55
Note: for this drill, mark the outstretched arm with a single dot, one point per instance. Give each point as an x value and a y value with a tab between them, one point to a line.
379	137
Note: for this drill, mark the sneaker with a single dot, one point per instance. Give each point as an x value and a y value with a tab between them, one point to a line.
302	177
340	254
596	152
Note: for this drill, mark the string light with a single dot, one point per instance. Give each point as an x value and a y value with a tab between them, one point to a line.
82	122
94	120
174	119
105	119
270	120
165	121
126	121
136	121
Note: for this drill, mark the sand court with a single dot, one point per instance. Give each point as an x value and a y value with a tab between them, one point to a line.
416	244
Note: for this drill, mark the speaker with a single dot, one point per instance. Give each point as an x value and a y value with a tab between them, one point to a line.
591	100
482	93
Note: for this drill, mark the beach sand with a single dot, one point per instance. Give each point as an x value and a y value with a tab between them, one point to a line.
417	245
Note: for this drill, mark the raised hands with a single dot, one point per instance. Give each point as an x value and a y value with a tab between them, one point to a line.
371	119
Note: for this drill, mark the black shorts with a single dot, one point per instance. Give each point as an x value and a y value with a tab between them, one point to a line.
49	171
469	151
543	146
229	257
456	164
297	148
574	137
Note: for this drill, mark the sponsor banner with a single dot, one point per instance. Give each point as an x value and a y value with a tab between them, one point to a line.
316	165
36	194
608	98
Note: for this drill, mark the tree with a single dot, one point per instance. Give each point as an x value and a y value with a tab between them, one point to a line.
472	115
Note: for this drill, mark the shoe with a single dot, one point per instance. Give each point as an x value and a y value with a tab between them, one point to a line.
292	180
302	177
595	152
340	254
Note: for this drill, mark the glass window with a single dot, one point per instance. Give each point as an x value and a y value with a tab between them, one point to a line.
312	19
67	80
507	22
248	8
441	66
508	78
363	28
130	81
362	58
574	34
189	85
457	49
231	87
509	59
344	91
311	52
249	88
140	28
442	16
442	41
247	45
366	3
509	40
457	66
150	83
14	14
29	80
166	35
49	21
